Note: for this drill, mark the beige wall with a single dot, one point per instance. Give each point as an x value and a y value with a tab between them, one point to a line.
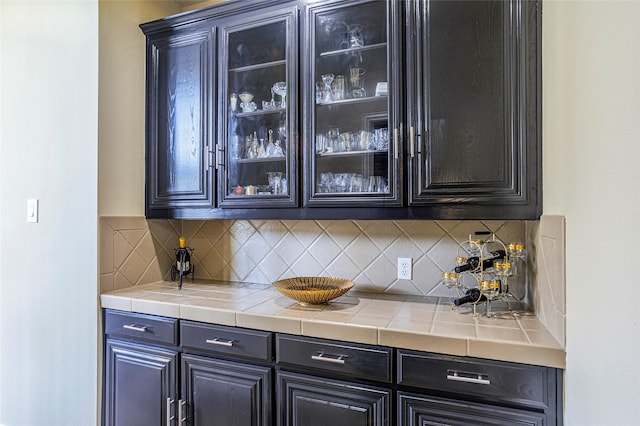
121	103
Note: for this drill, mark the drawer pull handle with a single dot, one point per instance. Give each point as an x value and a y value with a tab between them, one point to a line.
140	328
219	342
327	358
463	376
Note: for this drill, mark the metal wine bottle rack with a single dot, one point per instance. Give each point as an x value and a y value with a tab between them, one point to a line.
496	263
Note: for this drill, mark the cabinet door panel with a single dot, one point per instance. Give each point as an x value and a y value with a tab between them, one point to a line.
311	401
419	410
179	90
139	380
225	393
258	130
352	113
473	103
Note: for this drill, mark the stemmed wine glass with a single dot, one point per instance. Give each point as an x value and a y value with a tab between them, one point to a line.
516	251
282	128
490	288
327	79
450	280
280	88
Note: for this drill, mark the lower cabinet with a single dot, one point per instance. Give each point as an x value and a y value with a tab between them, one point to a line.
220	392
435	389
153	378
139	380
169	372
305	400
423	410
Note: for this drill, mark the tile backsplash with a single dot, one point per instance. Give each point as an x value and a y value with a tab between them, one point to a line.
548	273
135	251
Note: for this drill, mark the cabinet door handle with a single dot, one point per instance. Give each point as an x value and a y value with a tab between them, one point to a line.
396	142
412	140
329	358
217	156
181	410
169	416
140	328
220	342
463	376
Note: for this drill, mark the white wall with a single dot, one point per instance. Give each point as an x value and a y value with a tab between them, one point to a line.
48	270
591	174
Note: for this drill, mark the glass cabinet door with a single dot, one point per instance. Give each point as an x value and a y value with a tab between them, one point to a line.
257	135
351	129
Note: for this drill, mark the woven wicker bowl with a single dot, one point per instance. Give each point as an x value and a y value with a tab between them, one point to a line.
313	290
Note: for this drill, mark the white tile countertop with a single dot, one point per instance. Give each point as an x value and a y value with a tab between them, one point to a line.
409	322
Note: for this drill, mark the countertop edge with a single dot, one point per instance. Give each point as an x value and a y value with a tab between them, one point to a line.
139	301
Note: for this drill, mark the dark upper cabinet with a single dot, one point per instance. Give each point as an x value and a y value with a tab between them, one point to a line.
473	108
258	114
179	118
356	109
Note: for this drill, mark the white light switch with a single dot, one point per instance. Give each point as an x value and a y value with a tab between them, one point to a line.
32	210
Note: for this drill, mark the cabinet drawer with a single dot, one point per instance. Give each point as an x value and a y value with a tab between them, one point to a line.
218	339
486	379
149	328
366	362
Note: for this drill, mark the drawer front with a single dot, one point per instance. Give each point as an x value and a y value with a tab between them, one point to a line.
149	328
366	362
222	340
517	383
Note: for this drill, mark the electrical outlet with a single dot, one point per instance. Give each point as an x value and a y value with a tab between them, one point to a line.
405	268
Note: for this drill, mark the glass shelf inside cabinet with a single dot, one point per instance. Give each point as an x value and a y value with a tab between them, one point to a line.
260	160
352	50
259	112
258	66
353	153
353	100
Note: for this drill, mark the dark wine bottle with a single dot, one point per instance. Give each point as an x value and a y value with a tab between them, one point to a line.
473	295
473	262
183	258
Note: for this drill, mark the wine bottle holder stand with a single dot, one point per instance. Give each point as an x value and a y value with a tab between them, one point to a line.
488	264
